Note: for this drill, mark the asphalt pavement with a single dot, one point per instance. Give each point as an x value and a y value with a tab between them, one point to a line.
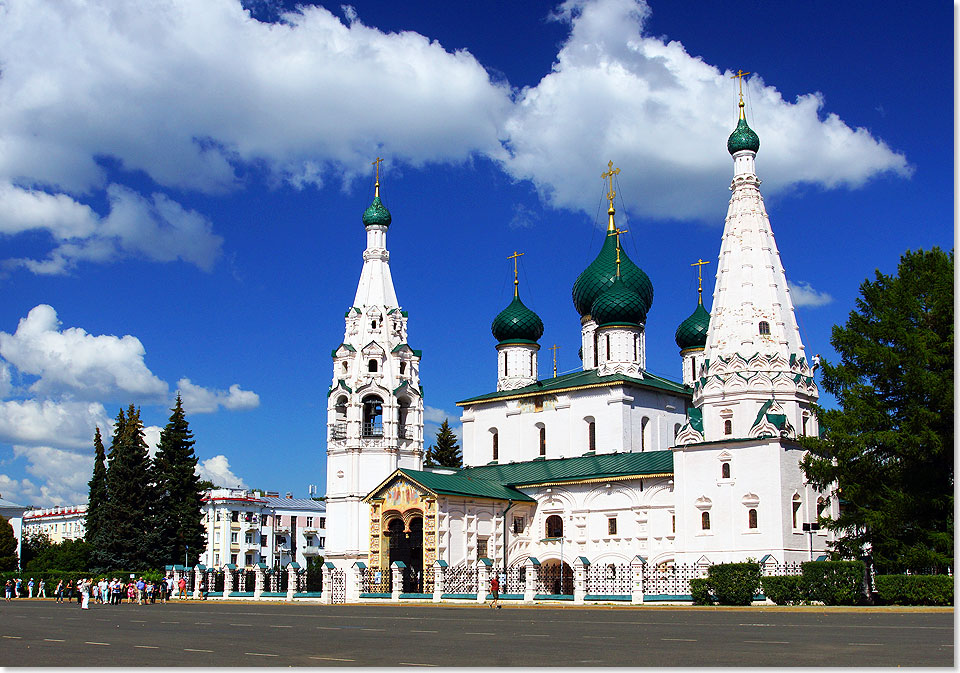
209	633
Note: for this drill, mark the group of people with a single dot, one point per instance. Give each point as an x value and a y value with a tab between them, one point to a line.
14	589
103	591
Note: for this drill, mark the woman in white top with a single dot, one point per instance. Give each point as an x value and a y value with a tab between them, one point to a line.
85	595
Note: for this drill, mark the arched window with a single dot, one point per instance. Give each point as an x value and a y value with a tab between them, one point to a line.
495	441
403	430
636	349
676	430
607	346
403	367
764	328
705	521
554	526
803	423
752	518
596	347
531	364
796	510
591	436
822	504
543	440
725	471
728	427
373	324
693	368
372	366
346	367
372	416
506	364
644	433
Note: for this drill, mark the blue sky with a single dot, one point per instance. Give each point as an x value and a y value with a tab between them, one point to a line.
181	186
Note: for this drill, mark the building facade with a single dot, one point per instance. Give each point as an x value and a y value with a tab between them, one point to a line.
612	463
245	528
57	523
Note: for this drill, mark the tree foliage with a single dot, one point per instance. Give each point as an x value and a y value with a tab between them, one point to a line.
69	555
97	498
33	545
179	492
8	546
889	447
446	451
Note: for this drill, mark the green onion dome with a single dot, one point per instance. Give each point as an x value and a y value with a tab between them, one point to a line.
599	277
743	138
376	213
517	323
692	332
619	305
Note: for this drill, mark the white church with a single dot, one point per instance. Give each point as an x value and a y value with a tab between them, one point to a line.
605	464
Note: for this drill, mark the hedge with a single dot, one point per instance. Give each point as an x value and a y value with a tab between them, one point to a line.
833	582
914	589
700	591
784	589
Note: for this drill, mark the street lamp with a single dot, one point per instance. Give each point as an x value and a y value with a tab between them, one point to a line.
809	528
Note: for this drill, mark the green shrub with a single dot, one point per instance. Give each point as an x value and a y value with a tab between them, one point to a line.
915	589
833	582
734	583
700	591
783	590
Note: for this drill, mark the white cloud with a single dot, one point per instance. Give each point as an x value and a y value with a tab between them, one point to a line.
20	491
217	470
151	435
66	474
158	229
148	84
48	422
803	294
437	416
200	400
73	361
663	116
5	384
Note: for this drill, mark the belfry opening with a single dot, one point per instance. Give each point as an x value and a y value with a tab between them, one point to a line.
404	541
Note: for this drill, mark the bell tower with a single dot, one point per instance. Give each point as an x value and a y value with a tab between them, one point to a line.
375	401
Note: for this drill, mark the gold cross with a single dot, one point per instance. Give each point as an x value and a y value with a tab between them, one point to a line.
699	264
516	282
376	186
554	348
608	175
739	77
616	232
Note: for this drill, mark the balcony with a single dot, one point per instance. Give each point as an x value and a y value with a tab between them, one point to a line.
338	431
371	430
312	551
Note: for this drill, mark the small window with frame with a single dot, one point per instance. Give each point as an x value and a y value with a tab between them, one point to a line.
612	525
705	521
764	328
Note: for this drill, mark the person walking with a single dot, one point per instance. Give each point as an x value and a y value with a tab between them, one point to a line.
495	591
85	594
18	588
8	590
182	585
58	592
30	588
42	589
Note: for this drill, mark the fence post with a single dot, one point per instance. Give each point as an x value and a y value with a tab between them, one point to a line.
198	576
326	589
354	586
259	571
532	566
637	566
439	573
228	574
292	569
483	579
580	565
396	575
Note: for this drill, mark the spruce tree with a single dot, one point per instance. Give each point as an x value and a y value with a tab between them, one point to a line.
8	546
179	492
889	447
127	542
446	451
97	498
101	557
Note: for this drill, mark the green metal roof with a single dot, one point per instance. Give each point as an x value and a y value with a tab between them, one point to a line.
589	378
459	484
743	138
517	323
605	465
376	213
602	271
692	332
618	305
